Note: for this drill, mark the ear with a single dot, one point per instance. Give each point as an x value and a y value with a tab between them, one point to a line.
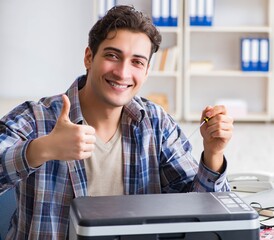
88	58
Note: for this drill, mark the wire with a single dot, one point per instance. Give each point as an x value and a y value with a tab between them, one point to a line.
267	212
206	119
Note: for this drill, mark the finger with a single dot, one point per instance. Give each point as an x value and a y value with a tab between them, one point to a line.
86	152
213	111
88	130
85	155
64	115
218	128
89	148
90	139
221	133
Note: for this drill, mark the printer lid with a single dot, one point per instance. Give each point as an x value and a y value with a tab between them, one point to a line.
160	208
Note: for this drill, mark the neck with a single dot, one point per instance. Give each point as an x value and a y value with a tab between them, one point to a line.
103	118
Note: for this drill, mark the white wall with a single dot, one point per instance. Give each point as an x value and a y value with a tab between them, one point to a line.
42	45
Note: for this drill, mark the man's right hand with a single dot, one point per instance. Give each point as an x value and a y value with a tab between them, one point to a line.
67	141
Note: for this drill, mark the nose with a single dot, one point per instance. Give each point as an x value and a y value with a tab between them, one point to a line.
122	70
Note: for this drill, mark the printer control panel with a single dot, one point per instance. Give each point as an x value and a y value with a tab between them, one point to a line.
232	202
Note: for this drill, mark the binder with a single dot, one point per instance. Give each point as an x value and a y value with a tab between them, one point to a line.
163	59
102	9
104	6
173	12
200	12
158	59
208	19
165	10
156	12
246	54
110	4
254	54
192	12
171	59
264	55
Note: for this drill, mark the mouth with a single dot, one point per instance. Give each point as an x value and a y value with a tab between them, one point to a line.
120	86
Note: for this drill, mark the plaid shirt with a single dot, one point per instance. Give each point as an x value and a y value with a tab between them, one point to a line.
149	139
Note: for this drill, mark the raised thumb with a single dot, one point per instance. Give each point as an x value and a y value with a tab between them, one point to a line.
64	115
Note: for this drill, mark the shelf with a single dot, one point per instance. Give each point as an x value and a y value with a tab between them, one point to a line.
217	49
230	73
189	88
238	29
250	117
169	29
163	74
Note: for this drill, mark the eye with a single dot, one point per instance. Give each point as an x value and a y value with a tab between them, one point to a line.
138	63
111	56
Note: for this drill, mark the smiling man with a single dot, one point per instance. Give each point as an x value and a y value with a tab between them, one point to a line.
100	138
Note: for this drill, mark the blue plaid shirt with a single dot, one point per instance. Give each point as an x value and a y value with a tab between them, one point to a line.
150	137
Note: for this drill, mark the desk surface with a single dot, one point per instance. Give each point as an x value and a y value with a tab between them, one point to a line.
266	199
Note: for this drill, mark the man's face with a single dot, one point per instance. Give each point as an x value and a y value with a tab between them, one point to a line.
119	67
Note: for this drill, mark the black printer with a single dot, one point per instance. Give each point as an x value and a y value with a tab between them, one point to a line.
176	216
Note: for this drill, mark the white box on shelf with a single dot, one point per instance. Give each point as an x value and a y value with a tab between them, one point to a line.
236	108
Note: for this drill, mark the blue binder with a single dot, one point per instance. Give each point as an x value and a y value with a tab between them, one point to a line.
165	13
110	4
201	12
264	55
156	12
104	6
255	52
200	18
192	12
209	10
173	12
246	54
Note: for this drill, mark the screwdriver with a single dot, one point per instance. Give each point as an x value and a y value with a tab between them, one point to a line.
206	119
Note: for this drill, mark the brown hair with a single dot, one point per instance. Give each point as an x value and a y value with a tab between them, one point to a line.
123	17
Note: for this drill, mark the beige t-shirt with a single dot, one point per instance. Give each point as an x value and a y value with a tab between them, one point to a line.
104	168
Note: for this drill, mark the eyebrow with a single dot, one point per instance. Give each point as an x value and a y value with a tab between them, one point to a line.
120	51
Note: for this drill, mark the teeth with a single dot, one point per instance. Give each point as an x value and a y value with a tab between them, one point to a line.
117	85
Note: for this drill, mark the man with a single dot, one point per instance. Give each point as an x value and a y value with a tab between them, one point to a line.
100	138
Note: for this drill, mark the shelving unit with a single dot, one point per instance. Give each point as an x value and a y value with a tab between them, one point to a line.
189	91
167	83
220	45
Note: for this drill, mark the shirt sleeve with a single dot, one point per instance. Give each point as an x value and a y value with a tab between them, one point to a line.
180	172
207	180
15	136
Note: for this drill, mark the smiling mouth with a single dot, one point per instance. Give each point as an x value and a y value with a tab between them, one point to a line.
121	86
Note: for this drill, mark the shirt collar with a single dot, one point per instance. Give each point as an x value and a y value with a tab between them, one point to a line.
73	95
135	109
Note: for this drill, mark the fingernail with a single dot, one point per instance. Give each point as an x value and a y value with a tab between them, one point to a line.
208	114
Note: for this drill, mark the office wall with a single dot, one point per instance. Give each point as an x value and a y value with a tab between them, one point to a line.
42	45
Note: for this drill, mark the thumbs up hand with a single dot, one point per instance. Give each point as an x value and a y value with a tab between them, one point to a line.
68	140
